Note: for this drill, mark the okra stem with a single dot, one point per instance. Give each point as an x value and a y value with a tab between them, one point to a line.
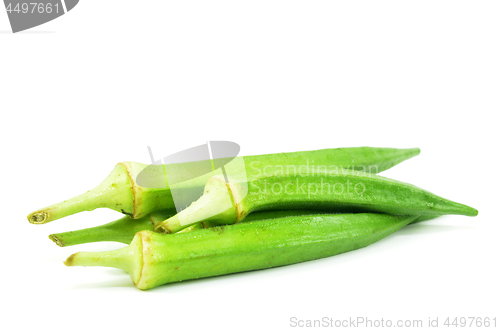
128	259
122	230
114	192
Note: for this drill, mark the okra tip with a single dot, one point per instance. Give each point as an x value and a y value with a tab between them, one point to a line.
411	152
473	212
461	209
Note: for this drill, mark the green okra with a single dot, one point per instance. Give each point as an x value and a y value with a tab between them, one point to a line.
124	229
120	191
230	202
153	259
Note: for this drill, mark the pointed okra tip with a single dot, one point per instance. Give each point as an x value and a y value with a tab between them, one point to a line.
408	153
461	209
473	212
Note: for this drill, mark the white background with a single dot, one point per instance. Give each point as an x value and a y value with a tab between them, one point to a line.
98	85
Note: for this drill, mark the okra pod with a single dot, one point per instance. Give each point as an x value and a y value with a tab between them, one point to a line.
124	229
120	191
230	202
153	259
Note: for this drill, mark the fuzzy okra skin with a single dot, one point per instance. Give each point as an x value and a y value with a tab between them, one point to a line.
120	191
229	203
153	259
